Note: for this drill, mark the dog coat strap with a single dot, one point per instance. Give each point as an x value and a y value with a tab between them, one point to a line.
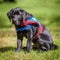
40	29
28	22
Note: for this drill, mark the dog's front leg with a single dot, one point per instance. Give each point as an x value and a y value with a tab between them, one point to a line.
19	45
29	40
19	42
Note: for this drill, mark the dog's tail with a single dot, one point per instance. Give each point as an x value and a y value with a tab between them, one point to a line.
55	47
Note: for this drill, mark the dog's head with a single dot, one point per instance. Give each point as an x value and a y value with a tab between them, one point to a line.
18	16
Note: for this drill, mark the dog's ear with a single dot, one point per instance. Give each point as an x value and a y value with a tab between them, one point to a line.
24	16
9	14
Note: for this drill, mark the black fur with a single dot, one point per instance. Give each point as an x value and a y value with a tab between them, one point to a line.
44	41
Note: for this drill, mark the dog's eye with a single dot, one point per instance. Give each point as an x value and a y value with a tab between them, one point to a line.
12	16
21	10
16	13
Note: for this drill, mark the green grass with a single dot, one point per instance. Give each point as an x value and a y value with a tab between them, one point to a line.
8	43
30	56
47	11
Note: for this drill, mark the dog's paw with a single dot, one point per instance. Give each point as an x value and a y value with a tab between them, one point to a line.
17	50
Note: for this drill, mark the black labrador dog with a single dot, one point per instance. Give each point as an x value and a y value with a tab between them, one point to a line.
43	41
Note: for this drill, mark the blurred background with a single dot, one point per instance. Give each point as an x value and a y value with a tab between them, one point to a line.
46	11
